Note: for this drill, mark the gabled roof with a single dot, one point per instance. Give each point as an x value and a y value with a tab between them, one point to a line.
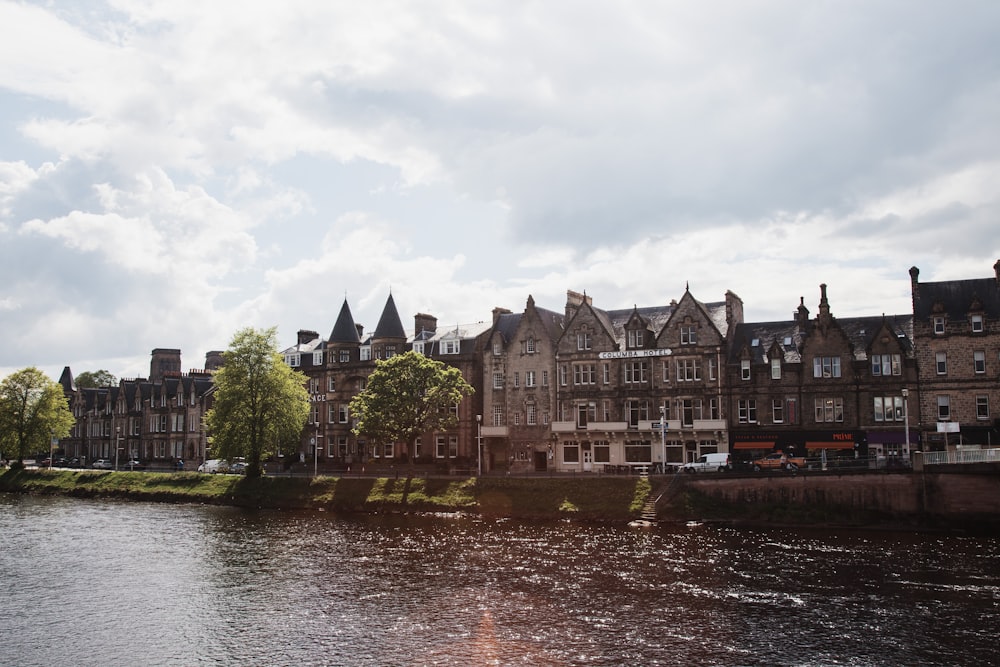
788	336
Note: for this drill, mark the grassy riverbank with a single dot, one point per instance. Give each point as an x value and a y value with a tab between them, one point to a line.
592	499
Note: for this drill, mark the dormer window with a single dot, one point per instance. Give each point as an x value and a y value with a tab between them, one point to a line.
453	346
497	349
293	360
635	339
418	347
529	345
938	325
745	369
977	324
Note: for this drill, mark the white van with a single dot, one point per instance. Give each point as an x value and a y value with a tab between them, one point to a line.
214	466
708	463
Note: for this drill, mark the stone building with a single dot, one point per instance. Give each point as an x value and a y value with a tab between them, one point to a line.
156	420
820	387
592	390
518	392
338	369
956	325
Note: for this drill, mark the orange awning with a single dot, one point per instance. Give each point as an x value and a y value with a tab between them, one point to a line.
840	444
763	444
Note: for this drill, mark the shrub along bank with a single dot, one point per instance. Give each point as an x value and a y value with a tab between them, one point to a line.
590	499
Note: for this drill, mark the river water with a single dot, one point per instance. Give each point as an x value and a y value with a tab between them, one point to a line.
112	583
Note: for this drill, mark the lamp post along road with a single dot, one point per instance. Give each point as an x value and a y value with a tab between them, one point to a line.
663	439
118	444
906	422
479	443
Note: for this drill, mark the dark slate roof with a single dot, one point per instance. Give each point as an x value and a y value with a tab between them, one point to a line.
389	325
958	298
345	330
507	324
789	336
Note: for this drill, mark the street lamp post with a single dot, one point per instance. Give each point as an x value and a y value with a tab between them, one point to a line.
906	421
118	441
479	443
663	439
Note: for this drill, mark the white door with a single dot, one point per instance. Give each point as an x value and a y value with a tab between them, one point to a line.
588	460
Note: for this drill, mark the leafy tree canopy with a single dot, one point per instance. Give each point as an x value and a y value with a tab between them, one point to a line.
408	395
260	404
95	379
33	409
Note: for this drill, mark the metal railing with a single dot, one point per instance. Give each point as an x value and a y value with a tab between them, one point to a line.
962	456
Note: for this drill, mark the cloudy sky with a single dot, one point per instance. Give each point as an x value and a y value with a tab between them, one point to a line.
171	172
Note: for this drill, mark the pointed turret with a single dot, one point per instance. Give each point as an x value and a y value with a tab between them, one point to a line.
345	330
389	325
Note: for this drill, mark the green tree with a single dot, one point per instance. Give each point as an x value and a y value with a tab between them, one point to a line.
260	403
33	409
95	379
408	395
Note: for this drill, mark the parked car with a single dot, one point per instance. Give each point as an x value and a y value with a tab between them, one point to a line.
708	463
134	464
238	468
214	466
779	461
102	464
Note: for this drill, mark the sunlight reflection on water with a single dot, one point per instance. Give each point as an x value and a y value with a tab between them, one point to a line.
105	583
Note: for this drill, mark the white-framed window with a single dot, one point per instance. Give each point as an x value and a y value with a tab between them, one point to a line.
331	413
776	368
688	370
452	346
497	380
829	410
888	408
318	358
498	415
343	413
777	411
886	364
365	353
689	335
531	414
606	373
418	346
939	325
636	371
745	369
941	363
563	375
497	349
440	445
293	360
331	383
977	323
713	368
517	379
635	338
453	446
826	367
545	378
584	374
529	378
388	450
979	361
944	408
747	411
982	407
583	340
529	345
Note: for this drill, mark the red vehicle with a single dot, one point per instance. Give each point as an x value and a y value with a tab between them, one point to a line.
779	461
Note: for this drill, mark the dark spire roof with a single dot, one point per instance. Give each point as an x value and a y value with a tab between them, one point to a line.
345	331
389	325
